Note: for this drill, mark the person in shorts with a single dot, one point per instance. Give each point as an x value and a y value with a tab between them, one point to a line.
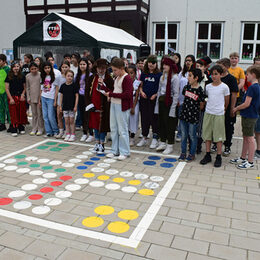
68	104
249	111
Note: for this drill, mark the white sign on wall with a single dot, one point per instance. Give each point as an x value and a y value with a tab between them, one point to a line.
52	30
130	55
108	54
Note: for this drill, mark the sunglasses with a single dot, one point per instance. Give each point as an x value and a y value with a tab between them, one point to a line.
188	60
153	62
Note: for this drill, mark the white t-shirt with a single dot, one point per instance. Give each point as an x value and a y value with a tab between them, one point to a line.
216	98
48	88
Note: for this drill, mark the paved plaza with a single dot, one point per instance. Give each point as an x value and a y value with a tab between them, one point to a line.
61	201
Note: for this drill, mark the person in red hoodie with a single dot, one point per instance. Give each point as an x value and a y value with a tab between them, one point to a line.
121	102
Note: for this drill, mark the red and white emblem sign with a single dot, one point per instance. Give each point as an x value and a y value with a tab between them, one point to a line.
52	31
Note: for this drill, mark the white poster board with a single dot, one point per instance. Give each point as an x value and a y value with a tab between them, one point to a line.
130	55
52	30
108	54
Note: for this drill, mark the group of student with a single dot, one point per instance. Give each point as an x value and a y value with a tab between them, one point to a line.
108	98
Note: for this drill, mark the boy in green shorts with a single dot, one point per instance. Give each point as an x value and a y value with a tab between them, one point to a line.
4	111
213	128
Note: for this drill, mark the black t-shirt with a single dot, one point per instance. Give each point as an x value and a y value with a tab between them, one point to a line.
16	86
233	87
25	69
191	105
69	96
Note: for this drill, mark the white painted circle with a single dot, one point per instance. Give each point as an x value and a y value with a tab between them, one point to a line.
96	184
10	168
40	181
151	185
63	194
16	193
126	174
52	202
87	152
97	169
23	170
41	210
22	205
103	165
49	175
74	160
43	160
81	181
55	162
37	172
109	161
31	158
68	165
82	156
73	187
112	186
2	165
141	176
129	189
10	161
29	187
156	178
112	171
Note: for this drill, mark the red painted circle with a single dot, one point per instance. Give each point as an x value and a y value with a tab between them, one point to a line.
65	178
35	197
5	201
56	183
46	189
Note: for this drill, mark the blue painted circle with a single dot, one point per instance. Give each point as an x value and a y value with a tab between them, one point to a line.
94	159
166	165
88	163
82	167
154	158
101	154
170	160
149	163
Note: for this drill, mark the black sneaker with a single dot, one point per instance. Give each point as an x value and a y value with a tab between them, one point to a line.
21	129
9	130
218	162
101	149
214	148
2	127
206	159
227	151
14	131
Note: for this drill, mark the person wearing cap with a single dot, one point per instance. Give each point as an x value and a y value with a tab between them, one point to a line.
166	102
99	118
150	79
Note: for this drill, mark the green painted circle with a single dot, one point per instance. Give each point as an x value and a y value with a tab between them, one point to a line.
55	149
64	145
34	165
20	156
42	147
51	143
60	170
47	167
22	163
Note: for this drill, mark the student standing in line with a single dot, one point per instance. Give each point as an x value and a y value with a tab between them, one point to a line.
177	59
33	90
150	78
28	58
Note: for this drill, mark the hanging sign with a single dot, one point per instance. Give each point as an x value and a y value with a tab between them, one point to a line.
52	30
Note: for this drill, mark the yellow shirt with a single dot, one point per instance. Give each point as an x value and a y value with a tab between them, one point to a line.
238	73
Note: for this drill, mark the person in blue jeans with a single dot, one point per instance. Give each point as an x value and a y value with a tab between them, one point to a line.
193	102
49	93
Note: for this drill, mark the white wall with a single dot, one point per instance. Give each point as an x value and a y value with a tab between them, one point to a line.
12	22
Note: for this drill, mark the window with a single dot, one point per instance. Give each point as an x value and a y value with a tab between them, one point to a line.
250	44
209	40
159	38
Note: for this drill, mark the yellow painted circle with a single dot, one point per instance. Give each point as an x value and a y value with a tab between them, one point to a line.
92	222
89	175
146	192
134	182
104	210
118	227
128	214
119	180
103	177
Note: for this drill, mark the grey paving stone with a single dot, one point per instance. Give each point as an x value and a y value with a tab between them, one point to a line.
193	256
202	208
11	254
71	243
253	255
231	213
105	252
70	254
215	220
189	197
176	229
62	217
245	242
218	203
183	214
245	225
158	238
130	257
211	236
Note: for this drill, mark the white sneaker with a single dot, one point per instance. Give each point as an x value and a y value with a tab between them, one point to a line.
14	134
111	155
121	157
178	139
143	142
83	138
55	135
237	161
96	148
59	136
67	137
132	142
169	149
90	139
32	133
161	146
101	149
154	143
64	135
72	138
245	166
